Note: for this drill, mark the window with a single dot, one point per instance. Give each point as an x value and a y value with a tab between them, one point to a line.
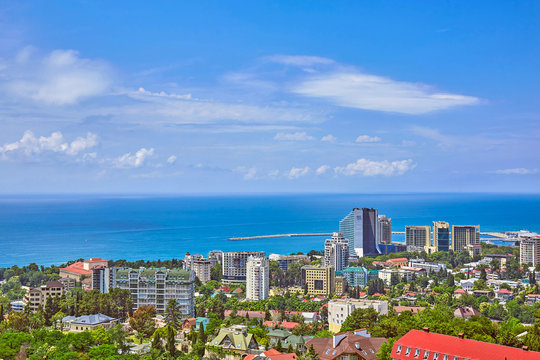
408	350
398	350
416	352
426	354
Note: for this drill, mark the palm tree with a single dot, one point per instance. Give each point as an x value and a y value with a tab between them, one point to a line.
173	314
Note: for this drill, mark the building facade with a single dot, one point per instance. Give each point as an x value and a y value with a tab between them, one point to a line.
235	265
529	251
157	286
257	278
385	230
318	280
441	236
340	309
336	252
361	228
463	235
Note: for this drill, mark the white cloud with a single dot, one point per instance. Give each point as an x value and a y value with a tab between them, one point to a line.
133	161
30	145
367	139
58	78
297	136
299	60
370	92
171	159
517	171
367	167
329	138
295	173
322	169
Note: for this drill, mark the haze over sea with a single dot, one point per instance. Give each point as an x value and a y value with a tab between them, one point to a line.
50	229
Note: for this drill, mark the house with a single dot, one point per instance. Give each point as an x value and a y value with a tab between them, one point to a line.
425	345
272	354
504	295
88	322
358	345
235	338
465	312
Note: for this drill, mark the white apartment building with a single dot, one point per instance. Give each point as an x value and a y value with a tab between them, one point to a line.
157	286
529	250
339	309
336	252
257	278
235	265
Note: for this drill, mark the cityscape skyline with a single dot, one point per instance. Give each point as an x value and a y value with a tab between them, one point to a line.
266	98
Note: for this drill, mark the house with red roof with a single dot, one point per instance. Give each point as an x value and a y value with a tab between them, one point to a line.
425	345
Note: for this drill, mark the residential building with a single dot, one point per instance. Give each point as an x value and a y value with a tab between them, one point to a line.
385	230
339	309
417	238
529	250
37	297
88	322
82	269
463	235
350	346
318	280
441	236
202	268
257	278
355	276
235	265
418	344
360	227
285	260
235	338
428	266
157	286
336	252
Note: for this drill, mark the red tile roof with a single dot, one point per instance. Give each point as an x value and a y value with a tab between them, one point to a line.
455	346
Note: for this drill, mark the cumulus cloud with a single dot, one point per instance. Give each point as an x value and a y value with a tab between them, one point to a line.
300	60
295	172
517	171
136	160
296	136
30	145
171	159
322	169
367	167
58	78
370	92
329	138
367	139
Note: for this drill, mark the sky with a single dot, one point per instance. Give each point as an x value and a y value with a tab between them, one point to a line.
269	96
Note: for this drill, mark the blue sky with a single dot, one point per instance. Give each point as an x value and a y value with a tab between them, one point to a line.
217	97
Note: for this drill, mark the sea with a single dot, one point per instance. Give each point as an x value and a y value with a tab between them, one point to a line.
53	229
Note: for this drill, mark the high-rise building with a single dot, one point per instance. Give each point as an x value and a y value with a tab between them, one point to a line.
441	236
336	252
157	286
202	268
235	265
257	278
360	227
319	280
385	230
417	238
463	235
529	251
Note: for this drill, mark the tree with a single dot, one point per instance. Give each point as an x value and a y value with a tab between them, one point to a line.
359	318
142	320
173	314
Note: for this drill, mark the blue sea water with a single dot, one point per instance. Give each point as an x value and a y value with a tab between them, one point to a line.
54	229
